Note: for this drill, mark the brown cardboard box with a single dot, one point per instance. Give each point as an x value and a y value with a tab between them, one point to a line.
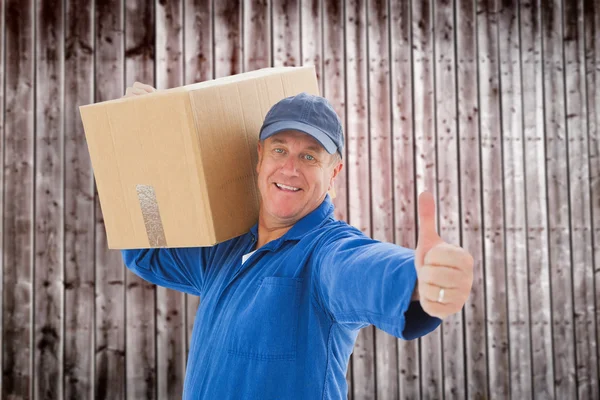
176	168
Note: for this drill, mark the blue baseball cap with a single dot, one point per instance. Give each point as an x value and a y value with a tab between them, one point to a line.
309	114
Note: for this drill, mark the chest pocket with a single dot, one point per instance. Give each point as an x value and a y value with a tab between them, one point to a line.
266	327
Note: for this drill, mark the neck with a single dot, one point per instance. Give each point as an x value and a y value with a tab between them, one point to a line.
268	233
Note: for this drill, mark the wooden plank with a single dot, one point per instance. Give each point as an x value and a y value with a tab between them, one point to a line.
109	379
448	182
257	34
2	110
170	334
333	87
198	67
49	210
579	198
359	198
535	186
286	33
425	172
591	23
18	201
494	262
470	193
515	202
558	201
402	127
140	337
311	27
79	204
227	44
170	315
382	202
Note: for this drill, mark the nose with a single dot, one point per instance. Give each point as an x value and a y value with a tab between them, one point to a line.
289	166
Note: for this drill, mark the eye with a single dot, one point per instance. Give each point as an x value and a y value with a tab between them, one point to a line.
278	150
309	157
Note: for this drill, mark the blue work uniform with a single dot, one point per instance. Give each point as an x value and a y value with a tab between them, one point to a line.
282	324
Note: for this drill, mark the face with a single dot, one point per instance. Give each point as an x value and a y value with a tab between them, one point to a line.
294	174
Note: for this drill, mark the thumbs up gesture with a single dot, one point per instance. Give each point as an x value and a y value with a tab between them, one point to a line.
444	271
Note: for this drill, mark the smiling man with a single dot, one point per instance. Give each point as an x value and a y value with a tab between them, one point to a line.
281	306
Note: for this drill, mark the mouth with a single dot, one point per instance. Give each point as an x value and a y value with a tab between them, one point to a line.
286	188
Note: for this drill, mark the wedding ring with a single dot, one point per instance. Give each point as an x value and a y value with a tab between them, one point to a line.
441	295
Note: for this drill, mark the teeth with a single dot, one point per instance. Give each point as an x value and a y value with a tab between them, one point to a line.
286	187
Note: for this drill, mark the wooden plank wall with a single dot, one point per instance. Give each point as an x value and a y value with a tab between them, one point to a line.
492	105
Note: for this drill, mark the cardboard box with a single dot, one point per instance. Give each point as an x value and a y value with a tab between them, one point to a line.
176	168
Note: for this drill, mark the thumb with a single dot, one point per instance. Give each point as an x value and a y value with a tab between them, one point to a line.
428	236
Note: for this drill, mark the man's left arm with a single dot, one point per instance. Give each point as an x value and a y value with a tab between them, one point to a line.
401	291
360	280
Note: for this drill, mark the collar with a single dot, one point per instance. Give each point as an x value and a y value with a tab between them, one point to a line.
308	222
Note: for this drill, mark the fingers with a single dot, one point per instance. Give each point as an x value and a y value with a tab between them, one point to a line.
446	254
143	86
443	276
137	89
452	300
426	211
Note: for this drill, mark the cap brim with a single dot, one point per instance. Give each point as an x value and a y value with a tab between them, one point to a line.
281	126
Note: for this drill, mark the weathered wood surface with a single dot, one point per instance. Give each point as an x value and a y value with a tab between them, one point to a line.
110	367
557	180
49	204
536	211
198	67
18	200
358	164
403	173
140	296
170	315
514	185
493	105
494	257
425	175
470	197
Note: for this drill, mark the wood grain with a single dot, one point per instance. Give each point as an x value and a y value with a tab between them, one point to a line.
494	261
79	204
476	360
286	33
537	212
359	197
579	200
198	67
140	336
227	38
334	89
591	23
49	203
381	167
18	224
558	201
515	203
110	368
170	311
425	170
257	34
403	173
448	202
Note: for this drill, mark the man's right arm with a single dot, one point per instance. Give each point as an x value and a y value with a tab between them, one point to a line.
181	269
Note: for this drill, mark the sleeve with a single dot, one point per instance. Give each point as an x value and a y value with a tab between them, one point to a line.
361	280
182	269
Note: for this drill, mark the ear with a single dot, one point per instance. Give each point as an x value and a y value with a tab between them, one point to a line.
336	171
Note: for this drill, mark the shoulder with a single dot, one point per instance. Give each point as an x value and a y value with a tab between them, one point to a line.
337	234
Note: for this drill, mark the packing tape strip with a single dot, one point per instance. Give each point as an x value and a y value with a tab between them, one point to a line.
151	214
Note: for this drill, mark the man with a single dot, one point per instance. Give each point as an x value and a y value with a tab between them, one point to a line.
281	306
